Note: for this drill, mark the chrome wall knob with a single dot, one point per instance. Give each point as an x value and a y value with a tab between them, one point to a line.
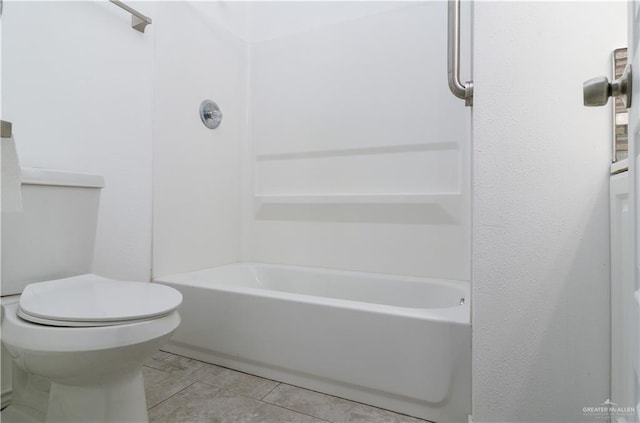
210	114
596	91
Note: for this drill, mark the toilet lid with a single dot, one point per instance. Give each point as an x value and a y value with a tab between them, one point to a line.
91	300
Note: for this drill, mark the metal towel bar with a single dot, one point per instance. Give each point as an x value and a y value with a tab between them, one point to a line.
458	89
138	20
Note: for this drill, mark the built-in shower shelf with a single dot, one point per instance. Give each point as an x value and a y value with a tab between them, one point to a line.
445	199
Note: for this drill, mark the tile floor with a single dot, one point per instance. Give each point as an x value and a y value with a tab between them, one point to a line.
181	390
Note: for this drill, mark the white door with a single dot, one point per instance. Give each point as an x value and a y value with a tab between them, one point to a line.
629	388
624	405
622	358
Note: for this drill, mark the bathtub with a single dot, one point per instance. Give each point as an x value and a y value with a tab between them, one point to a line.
400	343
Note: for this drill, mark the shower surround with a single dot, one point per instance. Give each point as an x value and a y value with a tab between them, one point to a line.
341	148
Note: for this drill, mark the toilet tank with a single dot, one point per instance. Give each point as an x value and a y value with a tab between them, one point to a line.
55	234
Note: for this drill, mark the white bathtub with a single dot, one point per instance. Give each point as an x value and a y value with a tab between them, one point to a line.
396	342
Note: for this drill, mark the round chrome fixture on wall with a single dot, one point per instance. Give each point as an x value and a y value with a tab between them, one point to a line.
210	114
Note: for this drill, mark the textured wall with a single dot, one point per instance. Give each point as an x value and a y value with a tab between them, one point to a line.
540	210
77	85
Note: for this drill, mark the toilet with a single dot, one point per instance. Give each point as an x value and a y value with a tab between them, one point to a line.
77	341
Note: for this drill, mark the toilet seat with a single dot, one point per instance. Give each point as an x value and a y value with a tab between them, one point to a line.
90	301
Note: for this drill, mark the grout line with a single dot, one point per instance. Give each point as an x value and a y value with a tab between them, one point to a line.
297	411
346	400
223	367
151	367
270	391
166	356
154	368
170	396
240	393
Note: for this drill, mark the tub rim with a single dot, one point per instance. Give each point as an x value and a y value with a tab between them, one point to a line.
459	314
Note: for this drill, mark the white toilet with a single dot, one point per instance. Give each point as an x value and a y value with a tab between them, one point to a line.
77	340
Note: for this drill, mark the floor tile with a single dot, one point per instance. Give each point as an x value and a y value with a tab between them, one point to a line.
178	365
268	413
204	403
241	383
208	372
161	355
182	390
231	380
158	356
332	408
160	385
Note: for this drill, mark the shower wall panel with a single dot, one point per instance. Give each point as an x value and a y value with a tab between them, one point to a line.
196	197
358	154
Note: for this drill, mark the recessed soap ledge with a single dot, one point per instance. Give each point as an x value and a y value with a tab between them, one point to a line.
382	198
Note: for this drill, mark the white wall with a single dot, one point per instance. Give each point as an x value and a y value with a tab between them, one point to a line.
540	210
196	181
77	85
348	100
269	20
87	93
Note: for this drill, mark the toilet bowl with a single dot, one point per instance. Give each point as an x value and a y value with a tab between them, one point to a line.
76	341
78	345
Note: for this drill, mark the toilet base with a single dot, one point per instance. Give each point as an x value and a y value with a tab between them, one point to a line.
120	399
17	414
29	399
